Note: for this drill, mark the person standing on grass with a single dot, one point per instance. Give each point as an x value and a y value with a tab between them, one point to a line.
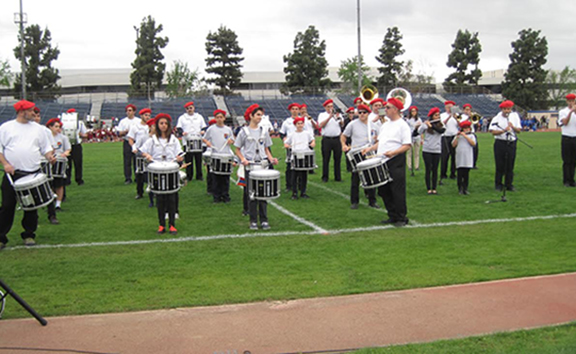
567	121
504	128
62	148
331	123
448	152
299	141
432	148
464	144
218	139
288	127
76	155
191	124
138	136
414	122
123	129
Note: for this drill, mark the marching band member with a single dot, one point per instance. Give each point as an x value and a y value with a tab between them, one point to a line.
164	146
357	102
309	122
351	113
504	128
464	144
287	129
22	142
432	147
448	152
253	145
414	122
76	155
466	116
375	118
392	144
140	133
191	124
331	123
51	208
218	138
299	140
359	135
567	121
210	182
62	148
140	141
123	129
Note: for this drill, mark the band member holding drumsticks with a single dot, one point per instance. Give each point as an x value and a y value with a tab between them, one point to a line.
357	132
191	124
139	132
62	148
50	208
432	147
22	143
253	145
393	142
164	146
288	127
123	129
298	141
218	138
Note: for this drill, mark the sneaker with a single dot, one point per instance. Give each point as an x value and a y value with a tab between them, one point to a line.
29	241
161	230
354	206
253	226
81	183
128	181
58	209
304	196
138	196
374	205
401	223
173	230
53	220
387	221
265	225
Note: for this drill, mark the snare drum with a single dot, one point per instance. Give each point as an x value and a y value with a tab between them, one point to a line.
221	164
207	156
141	163
288	155
355	156
33	191
303	160
373	173
59	167
46	168
193	143
163	177
264	184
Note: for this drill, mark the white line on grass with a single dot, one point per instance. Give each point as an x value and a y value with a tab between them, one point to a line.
291	233
347	197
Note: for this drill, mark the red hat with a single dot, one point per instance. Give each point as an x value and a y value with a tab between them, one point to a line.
53	121
163	115
303	105
299	119
327	102
450	102
71	110
571	96
36	109
396	103
23	105
351	109
249	110
412	107
291	105
144	111
363	107
150	122
212	121
467	105
130	106
433	111
219	111
357	99
188	104
507	104
377	100
465	123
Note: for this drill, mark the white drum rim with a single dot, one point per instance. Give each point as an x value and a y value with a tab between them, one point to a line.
375	161
22	181
264	173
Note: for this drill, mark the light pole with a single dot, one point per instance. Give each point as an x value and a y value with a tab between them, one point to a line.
20	19
359	48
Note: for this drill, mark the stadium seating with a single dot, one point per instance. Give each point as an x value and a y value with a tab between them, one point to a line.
48	110
175	108
483	104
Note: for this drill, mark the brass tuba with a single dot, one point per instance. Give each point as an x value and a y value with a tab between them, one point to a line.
401	94
475	117
368	93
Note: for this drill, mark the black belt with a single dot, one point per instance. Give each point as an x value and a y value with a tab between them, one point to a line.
331	137
568	137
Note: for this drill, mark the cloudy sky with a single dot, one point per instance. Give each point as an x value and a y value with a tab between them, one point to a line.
100	34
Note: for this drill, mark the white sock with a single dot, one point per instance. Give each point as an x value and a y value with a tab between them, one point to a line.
58	202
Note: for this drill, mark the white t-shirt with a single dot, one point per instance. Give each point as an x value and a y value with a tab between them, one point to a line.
265	123
138	132
299	141
126	123
358	132
308	126
81	130
393	135
191	124
451	125
332	128
61	144
500	123
412	123
464	152
161	149
378	123
288	127
22	144
218	137
570	128
465	117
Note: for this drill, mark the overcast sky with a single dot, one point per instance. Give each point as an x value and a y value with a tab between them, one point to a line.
100	34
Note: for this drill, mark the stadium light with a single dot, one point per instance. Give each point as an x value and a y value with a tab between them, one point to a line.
21	18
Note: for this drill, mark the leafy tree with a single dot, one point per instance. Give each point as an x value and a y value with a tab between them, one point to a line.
41	77
391	68
406	77
224	58
5	73
560	83
146	78
348	73
466	52
524	82
306	67
183	82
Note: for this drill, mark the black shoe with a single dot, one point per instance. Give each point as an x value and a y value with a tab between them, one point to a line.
401	223
138	196
226	200
81	183
58	209
53	220
374	205
511	189
294	197
354	206
573	184
151	205
388	221
128	181
304	196
324	180
498	188
338	180
244	213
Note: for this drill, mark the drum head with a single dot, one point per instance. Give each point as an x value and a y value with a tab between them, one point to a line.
163	166
30	181
222	156
266	174
369	163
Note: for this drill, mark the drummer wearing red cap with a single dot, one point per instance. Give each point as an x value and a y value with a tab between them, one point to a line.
567	122
123	129
288	127
331	123
192	124
464	144
22	143
448	151
299	141
504	127
137	136
218	139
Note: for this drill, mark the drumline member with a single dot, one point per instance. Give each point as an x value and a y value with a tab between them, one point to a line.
464	144
210	182
123	129
140	133
357	133
51	208
253	146
287	129
298	141
504	127
22	142
448	152
62	148
140	141
164	146
414	122
191	124
218	138
567	122
331	124
392	144
467	108
432	147
76	156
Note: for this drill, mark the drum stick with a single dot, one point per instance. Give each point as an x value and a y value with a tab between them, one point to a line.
10	179
185	165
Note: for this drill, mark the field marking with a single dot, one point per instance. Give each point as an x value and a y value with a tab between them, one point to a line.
289	233
347	197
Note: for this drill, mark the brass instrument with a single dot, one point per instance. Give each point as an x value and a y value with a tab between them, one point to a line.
368	93
475	117
401	94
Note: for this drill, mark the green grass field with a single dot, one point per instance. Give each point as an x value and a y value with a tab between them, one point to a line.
304	263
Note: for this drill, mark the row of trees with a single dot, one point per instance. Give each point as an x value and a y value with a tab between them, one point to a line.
526	82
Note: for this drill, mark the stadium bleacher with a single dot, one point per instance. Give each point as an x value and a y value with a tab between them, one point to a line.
482	104
48	110
175	108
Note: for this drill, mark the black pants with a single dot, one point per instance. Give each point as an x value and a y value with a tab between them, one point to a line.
394	193
568	159
355	190
431	162
289	176
329	146
75	159
475	149
129	161
448	153
196	161
255	207
505	157
166	202
299	181
8	209
463	178
210	182
221	188
141	178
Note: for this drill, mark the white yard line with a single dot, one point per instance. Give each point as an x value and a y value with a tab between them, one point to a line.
345	196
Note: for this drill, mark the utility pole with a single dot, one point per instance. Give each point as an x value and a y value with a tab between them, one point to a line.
359	48
20	19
